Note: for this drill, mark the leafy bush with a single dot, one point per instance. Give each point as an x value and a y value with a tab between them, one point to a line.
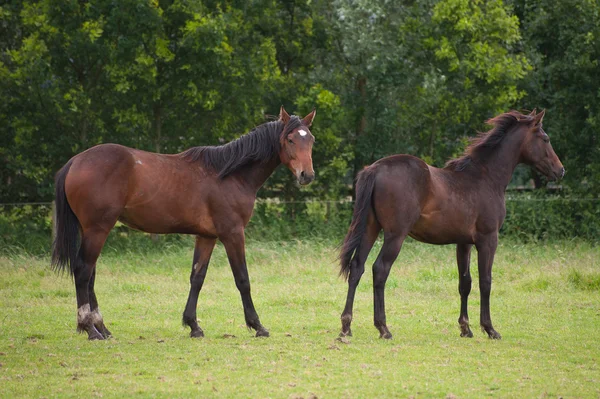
529	217
274	220
25	229
536	216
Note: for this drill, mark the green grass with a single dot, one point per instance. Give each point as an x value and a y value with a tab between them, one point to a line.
545	303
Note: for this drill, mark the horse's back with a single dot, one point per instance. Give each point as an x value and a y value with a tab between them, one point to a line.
430	204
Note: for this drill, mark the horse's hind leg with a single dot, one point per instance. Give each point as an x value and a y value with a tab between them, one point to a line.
88	318
357	268
463	258
202	252
392	244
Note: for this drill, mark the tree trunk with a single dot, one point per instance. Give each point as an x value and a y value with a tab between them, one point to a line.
431	141
156	127
84	132
361	85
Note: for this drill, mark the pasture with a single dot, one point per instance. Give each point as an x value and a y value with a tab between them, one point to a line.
545	302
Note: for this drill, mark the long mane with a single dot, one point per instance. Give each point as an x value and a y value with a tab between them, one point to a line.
259	145
485	143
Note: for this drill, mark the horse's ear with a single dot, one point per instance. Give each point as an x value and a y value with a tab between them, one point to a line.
532	113
308	119
539	117
284	116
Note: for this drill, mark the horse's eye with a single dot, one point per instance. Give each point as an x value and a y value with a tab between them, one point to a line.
290	141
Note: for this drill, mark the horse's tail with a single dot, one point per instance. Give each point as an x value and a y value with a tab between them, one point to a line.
365	184
65	247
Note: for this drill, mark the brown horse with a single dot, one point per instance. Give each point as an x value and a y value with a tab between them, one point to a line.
205	191
461	204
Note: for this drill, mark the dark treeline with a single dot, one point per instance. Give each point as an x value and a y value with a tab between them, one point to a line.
415	77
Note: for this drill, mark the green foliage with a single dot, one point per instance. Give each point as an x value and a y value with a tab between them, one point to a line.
273	220
530	217
539	216
25	229
563	43
386	77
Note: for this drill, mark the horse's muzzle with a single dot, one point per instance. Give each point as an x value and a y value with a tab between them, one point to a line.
306	178
558	174
551	173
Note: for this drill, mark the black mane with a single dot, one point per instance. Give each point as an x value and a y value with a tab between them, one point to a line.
485	143
260	145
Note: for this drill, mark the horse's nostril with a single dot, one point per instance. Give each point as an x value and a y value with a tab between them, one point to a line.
302	174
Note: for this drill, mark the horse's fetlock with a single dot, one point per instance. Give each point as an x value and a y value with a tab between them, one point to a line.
84	315
96	317
380	323
189	320
346	318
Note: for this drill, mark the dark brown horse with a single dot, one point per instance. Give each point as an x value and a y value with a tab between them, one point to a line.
461	204
205	191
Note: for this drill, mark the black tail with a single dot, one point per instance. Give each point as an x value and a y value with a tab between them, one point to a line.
66	243
364	193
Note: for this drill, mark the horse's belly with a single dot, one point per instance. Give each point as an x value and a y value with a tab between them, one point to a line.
155	221
443	229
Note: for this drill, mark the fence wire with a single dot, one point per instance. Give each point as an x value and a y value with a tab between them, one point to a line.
276	201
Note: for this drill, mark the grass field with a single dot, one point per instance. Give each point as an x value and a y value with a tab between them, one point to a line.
545	303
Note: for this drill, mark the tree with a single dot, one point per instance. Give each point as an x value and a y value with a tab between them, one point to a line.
154	75
417	77
563	43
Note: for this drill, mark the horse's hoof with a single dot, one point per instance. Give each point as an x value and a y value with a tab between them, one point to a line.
493	334
94	335
386	335
466	333
197	334
262	333
105	333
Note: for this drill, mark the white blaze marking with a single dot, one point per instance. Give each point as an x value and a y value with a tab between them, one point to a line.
138	161
302	132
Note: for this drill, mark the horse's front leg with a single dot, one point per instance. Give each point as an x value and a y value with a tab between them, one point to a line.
463	258
486	249
234	246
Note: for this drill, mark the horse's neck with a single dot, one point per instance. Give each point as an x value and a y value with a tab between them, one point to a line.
501	164
257	173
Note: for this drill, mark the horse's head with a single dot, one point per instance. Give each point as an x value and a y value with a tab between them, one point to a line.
537	150
296	146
